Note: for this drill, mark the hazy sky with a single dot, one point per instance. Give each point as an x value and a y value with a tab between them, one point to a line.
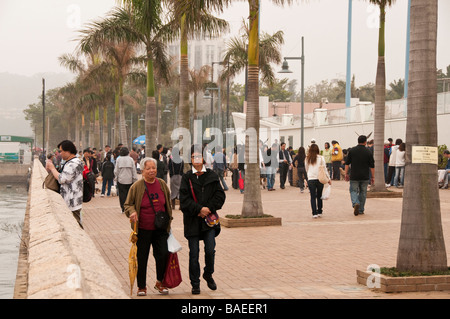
33	33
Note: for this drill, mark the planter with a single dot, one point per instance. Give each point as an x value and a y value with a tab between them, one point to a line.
383	283
386	194
250	222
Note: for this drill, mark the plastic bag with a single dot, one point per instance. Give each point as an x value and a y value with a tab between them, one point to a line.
326	193
172	244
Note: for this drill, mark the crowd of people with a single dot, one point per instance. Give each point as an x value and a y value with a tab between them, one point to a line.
201	189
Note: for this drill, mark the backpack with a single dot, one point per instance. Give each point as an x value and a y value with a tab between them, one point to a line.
88	184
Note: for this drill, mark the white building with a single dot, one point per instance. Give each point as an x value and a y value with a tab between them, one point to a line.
343	125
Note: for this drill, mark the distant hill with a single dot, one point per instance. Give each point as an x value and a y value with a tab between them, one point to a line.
17	92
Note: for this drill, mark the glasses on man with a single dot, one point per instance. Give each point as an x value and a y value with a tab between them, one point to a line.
197	156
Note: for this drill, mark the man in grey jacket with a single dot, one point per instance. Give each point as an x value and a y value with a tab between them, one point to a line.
125	174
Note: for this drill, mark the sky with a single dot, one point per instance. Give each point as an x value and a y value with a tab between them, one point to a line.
34	33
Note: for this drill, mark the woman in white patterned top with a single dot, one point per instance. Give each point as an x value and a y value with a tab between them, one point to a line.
70	178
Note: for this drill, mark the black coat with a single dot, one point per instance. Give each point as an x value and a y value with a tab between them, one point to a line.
209	193
107	170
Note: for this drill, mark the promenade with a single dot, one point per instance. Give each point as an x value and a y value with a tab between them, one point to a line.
304	258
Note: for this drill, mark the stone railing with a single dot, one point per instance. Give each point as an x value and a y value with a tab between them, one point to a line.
63	262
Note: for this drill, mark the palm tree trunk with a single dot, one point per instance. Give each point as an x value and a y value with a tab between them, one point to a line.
77	132
380	108
252	205
91	129
123	128
105	126
421	244
183	113
150	110
97	127
83	133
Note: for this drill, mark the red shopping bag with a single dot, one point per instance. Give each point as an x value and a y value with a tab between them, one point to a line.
172	277
241	182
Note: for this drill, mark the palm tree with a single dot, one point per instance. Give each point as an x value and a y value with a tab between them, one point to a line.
380	99
421	245
198	80
252	205
138	23
270	52
190	18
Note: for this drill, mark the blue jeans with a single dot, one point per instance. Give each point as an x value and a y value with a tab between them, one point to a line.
315	191
399	175
358	193
110	182
209	240
270	174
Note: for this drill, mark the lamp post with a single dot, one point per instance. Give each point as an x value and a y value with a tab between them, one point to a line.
212	80
208	95
43	117
285	69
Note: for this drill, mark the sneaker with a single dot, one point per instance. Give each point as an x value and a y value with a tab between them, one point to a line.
210	281
142	292
388	185
102	195
356	209
195	290
160	288
320	215
314	216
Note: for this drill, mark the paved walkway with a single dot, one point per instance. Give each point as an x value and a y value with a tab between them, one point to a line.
303	258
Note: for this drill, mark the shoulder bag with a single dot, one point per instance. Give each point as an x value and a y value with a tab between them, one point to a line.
162	218
211	219
323	176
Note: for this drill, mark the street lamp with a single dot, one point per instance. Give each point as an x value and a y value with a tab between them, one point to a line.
285	69
207	96
212	80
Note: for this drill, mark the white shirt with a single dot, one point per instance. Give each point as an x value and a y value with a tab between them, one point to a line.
195	171
313	170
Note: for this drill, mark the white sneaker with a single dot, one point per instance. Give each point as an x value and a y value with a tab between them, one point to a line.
314	216
388	185
102	195
320	215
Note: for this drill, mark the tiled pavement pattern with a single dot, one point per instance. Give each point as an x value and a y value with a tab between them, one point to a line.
303	258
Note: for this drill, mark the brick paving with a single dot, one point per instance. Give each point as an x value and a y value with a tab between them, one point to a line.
304	258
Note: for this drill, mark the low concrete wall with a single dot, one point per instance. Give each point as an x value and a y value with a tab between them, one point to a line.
14	172
63	261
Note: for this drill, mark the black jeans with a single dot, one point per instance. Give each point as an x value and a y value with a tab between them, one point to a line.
302	175
315	190
157	239
284	168
336	172
194	254
123	193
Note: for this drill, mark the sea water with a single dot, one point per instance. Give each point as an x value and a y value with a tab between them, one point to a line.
13	202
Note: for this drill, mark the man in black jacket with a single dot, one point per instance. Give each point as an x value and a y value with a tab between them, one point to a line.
200	194
362	162
285	162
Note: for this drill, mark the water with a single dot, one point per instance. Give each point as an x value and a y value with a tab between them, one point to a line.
13	202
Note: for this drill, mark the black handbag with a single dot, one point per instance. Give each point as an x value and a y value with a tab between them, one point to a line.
162	218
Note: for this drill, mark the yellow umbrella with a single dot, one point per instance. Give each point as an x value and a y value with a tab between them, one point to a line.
132	259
